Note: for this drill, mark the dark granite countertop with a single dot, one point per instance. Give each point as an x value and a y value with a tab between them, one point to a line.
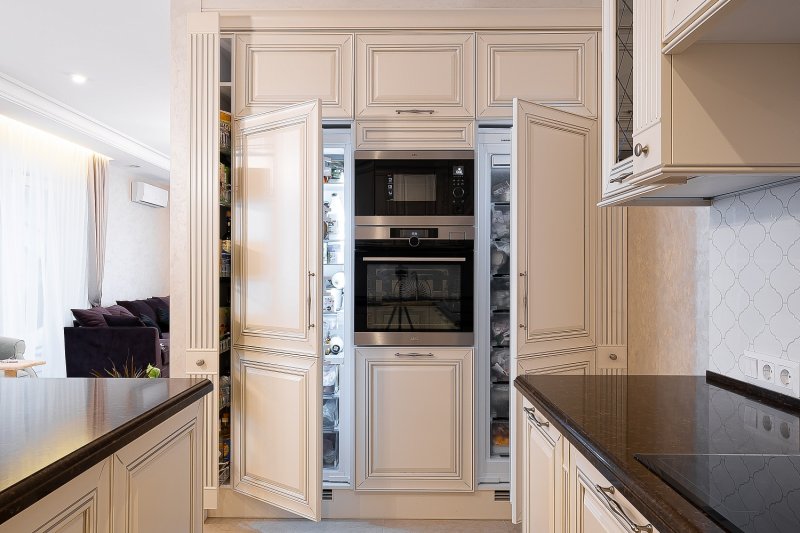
612	418
52	430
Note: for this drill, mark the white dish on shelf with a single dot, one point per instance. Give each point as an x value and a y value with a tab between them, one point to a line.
338	280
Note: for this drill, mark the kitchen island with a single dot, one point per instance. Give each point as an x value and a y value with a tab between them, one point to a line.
83	454
720	456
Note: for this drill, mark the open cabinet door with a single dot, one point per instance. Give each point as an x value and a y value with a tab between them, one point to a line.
554	183
276	452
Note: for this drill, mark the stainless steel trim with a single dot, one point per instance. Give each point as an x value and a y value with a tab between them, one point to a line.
413	354
446	233
414	259
414	154
415	221
415	111
616	508
523	324
311	289
412	338
531	412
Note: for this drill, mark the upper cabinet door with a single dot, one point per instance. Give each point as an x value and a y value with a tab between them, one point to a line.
279	69
553	69
415	74
275	368
554	173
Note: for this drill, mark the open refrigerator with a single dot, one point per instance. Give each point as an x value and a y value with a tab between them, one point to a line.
493	306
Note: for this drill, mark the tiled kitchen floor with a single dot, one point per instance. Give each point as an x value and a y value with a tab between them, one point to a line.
237	525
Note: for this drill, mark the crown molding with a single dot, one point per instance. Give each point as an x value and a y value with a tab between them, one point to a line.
57	112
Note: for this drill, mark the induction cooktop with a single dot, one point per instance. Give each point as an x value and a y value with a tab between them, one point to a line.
742	493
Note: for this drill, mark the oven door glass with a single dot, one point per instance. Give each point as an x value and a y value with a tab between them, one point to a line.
413	290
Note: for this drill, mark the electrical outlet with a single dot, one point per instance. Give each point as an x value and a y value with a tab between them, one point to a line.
774	373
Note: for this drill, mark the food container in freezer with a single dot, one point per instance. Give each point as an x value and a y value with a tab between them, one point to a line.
501	222
330	379
330	449
499	264
500	329
330	413
500	362
498	400
500	438
500	294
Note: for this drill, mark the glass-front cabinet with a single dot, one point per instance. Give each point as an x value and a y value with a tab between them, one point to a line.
618	94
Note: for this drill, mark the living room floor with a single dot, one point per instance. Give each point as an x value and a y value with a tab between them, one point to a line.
237	525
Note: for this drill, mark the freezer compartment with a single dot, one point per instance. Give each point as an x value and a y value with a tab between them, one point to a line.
498	400
500	438
500	362
499	263
501	221
500	333
501	178
330	379
330	413
500	295
330	449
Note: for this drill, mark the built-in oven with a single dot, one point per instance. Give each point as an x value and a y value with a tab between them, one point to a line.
393	185
414	285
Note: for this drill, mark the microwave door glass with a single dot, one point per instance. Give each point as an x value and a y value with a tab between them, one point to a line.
412	188
414	297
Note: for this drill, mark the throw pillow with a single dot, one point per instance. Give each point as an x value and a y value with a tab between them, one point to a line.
118	310
156	304
149	323
138	308
123	321
163	319
164	299
91	318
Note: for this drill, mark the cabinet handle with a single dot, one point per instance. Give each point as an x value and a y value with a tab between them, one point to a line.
310	298
621	177
413	354
531	412
415	111
606	493
613	357
200	362
524	299
639	149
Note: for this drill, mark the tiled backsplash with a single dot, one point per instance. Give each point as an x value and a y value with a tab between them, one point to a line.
754	259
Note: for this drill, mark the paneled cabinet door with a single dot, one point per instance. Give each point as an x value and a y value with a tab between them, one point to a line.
279	69
544	494
415	74
276	375
592	498
553	69
554	173
156	479
414	419
80	506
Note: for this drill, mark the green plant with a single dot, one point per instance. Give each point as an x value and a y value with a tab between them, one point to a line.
128	371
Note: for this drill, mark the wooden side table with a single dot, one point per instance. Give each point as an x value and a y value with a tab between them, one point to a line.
11	366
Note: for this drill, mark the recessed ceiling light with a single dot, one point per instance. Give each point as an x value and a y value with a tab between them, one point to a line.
80	79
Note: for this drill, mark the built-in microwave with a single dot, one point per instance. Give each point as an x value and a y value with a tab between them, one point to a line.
413	184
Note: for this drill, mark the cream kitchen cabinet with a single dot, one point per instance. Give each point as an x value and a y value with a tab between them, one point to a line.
552	69
280	69
545	472
415	134
554	174
414	419
595	505
683	129
151	485
402	74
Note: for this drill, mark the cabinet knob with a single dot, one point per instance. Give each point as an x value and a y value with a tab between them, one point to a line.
613	357
639	149
200	362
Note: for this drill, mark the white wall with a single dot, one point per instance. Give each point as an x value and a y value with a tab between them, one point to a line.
137	243
755	277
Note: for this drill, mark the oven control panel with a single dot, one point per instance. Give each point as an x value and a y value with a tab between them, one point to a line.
457	189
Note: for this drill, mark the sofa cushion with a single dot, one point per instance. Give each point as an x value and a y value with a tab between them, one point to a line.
123	321
91	318
118	310
139	308
163	320
148	322
164	299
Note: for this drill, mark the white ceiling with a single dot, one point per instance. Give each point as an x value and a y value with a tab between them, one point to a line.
122	47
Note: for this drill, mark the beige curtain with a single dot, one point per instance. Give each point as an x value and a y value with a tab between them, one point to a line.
98	215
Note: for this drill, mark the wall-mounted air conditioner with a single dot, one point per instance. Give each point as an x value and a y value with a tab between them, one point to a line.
150	195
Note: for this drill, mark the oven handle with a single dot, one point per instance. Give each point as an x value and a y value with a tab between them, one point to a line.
414	259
